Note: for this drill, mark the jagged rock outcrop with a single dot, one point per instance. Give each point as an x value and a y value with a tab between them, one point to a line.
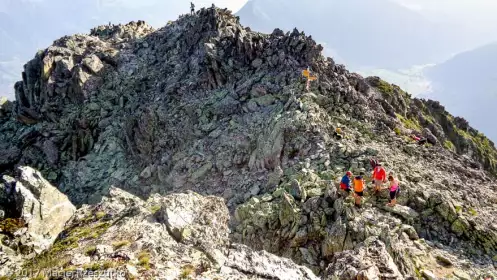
34	213
204	104
180	236
371	261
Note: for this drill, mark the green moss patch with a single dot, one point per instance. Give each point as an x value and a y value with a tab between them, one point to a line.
409	123
90	251
385	87
144	259
155	208
449	145
473	212
485	150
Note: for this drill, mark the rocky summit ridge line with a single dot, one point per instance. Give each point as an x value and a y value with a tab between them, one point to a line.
130	120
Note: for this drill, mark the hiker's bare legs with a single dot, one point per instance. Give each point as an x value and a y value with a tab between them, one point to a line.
392	203
377	186
357	200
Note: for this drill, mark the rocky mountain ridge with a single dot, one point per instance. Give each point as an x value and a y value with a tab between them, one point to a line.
209	106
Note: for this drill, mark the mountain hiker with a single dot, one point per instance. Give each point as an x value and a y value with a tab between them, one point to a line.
345	183
379	177
419	140
359	189
394	190
192	8
338	133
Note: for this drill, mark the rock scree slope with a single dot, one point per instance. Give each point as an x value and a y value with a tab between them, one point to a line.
202	133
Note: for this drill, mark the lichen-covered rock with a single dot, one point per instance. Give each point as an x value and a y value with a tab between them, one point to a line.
174	236
288	213
196	220
369	261
41	205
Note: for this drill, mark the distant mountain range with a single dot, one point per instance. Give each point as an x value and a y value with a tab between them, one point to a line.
363	33
29	25
467	86
379	37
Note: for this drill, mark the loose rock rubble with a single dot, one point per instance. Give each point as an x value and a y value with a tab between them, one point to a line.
206	105
179	236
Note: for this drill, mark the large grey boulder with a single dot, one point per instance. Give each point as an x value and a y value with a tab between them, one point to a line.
370	260
196	220
266	265
44	209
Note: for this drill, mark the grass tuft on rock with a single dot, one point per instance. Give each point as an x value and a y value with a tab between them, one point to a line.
144	259
473	212
120	244
92	266
449	145
99	215
155	208
90	251
187	271
409	123
68	239
109	264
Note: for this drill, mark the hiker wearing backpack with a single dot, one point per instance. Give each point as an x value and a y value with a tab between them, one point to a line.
373	162
359	184
338	134
345	183
379	177
419	140
394	190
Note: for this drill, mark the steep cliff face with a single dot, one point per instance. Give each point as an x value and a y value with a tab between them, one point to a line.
205	104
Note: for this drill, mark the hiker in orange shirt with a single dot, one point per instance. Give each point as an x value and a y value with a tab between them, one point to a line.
359	184
379	177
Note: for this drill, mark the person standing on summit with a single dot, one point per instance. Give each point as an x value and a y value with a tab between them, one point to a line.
192	8
379	177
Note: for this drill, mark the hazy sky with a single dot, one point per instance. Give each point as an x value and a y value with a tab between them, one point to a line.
174	8
29	25
472	12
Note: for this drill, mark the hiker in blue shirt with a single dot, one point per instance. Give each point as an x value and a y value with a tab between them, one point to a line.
345	184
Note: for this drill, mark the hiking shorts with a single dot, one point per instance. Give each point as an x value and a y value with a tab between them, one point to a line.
393	194
359	193
378	183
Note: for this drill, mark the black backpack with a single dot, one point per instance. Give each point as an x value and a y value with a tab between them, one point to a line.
373	163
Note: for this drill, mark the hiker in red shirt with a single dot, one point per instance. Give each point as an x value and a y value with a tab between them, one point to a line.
379	177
